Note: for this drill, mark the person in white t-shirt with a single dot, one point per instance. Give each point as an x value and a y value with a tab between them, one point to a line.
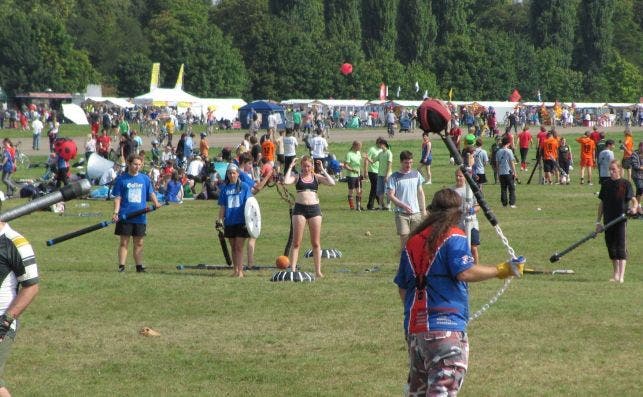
319	149
37	127
290	148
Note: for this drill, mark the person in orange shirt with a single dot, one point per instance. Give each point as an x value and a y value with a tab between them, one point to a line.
587	155
550	156
628	149
268	147
204	148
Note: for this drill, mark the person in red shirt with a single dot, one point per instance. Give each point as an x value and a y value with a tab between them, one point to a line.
595	135
456	136
103	144
525	141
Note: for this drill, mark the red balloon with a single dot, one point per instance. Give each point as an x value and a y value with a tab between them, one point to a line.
346	69
65	148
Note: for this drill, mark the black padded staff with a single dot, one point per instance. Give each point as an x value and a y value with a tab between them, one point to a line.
69	192
558	255
467	175
97	226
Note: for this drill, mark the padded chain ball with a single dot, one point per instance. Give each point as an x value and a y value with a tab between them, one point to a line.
282	262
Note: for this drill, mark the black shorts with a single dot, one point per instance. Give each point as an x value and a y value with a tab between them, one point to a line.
639	186
130	229
307	211
615	240
549	165
626	163
481	179
281	158
238	230
354	182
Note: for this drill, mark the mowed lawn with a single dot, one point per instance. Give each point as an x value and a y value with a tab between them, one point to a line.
575	335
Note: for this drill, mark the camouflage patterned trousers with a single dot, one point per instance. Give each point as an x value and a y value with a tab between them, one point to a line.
438	361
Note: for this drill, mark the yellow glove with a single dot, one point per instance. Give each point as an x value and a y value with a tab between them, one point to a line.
512	267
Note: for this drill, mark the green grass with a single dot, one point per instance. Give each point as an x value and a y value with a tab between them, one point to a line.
547	336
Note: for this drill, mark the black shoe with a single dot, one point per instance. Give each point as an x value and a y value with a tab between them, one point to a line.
141	269
121	268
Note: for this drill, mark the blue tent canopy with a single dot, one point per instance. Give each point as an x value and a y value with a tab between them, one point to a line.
264	108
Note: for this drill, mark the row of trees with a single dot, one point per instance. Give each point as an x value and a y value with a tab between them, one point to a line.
278	49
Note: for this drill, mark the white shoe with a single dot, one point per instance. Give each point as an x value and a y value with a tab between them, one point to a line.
427	182
512	206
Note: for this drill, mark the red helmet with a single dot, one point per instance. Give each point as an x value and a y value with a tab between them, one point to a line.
434	115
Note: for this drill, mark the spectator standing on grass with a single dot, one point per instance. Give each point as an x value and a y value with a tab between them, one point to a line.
637	175
497	145
319	149
587	156
90	146
290	149
628	149
480	160
384	171
469	220
550	157
616	198
506	173
131	192
404	190
353	166
565	160
8	167
372	166
427	157
435	267
605	158
525	141
19	288
37	127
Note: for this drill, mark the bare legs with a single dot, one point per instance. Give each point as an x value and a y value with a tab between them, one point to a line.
314	227
237	255
619	270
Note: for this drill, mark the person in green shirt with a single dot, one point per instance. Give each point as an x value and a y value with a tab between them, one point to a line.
384	171
123	126
296	120
372	165
353	164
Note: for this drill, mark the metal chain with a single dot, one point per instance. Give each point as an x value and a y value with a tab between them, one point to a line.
505	286
285	194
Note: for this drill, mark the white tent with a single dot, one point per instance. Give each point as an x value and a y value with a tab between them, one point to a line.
223	108
167	97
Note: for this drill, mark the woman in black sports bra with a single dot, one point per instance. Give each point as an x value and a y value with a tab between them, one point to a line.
307	209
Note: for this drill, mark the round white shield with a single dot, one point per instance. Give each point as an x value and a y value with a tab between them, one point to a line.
252	215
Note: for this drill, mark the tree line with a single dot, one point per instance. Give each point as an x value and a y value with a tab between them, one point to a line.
569	50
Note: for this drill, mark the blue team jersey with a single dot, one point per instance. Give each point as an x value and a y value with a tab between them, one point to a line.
233	197
134	192
447	298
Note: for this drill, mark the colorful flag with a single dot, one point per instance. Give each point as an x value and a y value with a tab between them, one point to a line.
426	94
417	86
451	94
398	91
179	79
154	81
539	99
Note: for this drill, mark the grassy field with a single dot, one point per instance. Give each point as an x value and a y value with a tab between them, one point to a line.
573	335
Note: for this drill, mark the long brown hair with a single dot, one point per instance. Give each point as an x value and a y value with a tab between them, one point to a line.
444	213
